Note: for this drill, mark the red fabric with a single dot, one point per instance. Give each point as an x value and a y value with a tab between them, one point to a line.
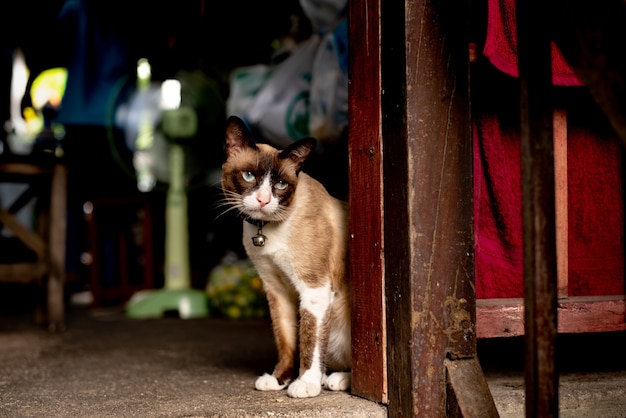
595	198
497	210
595	203
501	44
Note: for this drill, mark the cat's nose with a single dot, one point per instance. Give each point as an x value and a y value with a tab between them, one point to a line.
262	201
263	197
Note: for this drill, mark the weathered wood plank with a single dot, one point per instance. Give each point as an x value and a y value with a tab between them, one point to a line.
28	237
23	272
505	317
475	403
537	150
23	169
56	246
366	209
560	196
402	365
428	201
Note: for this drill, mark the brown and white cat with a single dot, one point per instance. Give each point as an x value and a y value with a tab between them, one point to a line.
295	233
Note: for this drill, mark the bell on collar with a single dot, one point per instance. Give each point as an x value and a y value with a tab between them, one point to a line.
259	240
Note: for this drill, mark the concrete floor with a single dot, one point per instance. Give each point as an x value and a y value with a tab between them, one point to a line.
592	378
105	365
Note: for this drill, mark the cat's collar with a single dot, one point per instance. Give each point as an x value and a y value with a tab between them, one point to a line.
259	239
256	222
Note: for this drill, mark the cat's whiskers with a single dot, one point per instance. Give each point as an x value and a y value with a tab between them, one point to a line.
281	214
233	208
231	202
234	201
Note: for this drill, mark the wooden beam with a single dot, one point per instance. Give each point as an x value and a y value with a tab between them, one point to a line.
57	240
561	201
428	235
505	317
402	369
23	272
22	169
28	237
475	403
540	286
366	208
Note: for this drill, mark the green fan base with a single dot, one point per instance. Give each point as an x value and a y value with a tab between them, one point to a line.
189	303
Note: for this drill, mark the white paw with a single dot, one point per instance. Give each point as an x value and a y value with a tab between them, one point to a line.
303	389
338	381
268	382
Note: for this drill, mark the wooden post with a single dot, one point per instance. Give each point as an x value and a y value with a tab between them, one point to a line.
56	248
540	272
428	233
561	199
366	205
411	210
469	391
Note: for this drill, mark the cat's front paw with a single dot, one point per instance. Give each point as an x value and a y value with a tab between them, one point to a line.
268	382
338	381
303	389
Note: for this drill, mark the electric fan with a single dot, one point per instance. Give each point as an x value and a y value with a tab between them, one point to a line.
163	122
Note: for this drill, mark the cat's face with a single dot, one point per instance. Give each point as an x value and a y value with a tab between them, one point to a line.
257	179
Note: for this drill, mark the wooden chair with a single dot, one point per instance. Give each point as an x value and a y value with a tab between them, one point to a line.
126	223
46	179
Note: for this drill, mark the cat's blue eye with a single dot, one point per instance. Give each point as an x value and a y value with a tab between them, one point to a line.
281	185
248	176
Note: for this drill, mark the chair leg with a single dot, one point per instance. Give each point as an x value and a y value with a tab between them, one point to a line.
58	224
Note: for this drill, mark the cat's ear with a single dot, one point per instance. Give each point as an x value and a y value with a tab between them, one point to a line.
299	151
237	136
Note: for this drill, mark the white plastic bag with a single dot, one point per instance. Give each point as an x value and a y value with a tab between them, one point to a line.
305	94
323	13
281	109
245	84
328	102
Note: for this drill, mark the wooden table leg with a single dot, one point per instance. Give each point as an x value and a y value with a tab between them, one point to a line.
58	224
